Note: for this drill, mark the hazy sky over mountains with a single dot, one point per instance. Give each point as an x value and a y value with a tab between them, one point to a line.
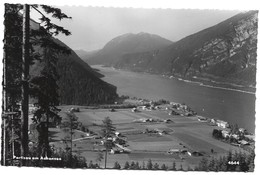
93	27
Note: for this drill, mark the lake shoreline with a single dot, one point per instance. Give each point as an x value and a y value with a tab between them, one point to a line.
202	82
232	105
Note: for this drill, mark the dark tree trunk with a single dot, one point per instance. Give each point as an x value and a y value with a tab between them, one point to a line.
25	77
106	158
4	108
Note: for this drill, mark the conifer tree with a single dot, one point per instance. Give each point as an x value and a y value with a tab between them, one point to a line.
126	166
100	157
212	165
132	165
189	168
39	38
203	165
117	165
164	167
181	168
243	165
250	161
12	70
156	166
137	166
143	166
44	86
91	165
230	158
149	165
108	130
68	125
173	166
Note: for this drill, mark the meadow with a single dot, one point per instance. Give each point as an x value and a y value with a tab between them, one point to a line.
182	133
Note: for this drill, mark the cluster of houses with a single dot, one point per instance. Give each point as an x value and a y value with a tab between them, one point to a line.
184	151
155	131
175	109
181	109
202	119
145	108
119	142
239	138
147	120
219	123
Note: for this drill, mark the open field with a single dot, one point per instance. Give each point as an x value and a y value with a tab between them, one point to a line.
182	133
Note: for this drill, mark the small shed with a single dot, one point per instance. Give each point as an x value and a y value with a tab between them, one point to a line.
244	142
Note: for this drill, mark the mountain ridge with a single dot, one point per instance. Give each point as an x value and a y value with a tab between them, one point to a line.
127	43
225	52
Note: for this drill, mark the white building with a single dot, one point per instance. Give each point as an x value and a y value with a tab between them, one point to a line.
235	136
250	137
222	124
134	110
242	130
225	134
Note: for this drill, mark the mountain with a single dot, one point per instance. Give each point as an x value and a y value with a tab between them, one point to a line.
79	84
125	44
85	54
224	53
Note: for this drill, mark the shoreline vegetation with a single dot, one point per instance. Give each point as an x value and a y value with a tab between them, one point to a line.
198	80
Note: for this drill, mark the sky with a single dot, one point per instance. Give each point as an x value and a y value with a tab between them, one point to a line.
93	27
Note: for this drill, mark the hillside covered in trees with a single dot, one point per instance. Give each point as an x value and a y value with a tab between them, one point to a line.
78	83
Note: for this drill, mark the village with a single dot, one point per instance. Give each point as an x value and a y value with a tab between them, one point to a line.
161	131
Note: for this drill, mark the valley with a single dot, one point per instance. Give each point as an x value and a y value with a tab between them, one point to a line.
181	140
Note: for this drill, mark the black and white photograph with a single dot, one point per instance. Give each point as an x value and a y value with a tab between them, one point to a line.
129	89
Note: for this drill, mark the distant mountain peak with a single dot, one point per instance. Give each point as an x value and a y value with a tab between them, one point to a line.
224	53
128	43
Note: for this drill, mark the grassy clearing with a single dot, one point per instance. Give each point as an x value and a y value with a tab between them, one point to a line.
152	138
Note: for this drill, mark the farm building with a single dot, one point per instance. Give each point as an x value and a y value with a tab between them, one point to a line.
167	121
117	133
250	137
222	124
202	119
173	103
134	110
242	130
243	142
115	150
174	113
235	136
196	153
225	134
142	120
159	131
141	107
213	121
171	151
157	107
180	151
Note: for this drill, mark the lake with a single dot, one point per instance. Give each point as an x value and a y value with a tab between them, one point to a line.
233	106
